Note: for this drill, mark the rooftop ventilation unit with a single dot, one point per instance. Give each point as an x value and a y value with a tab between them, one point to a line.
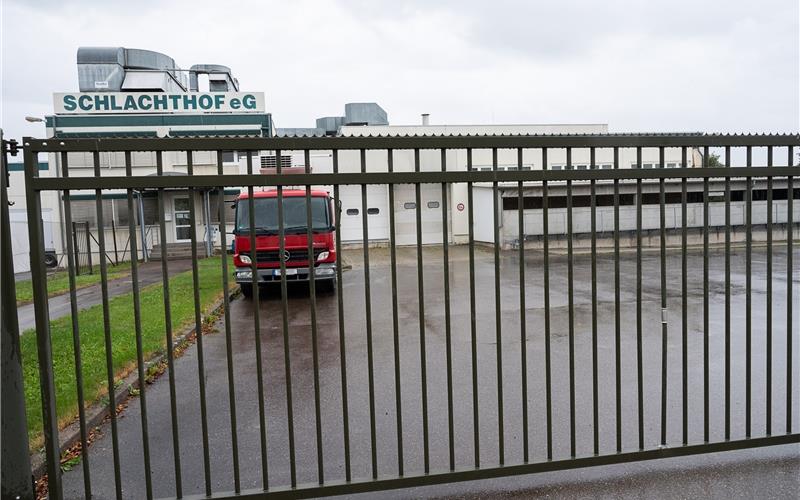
114	69
219	78
364	113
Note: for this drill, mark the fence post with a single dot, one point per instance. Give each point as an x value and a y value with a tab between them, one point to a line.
114	237
44	348
16	466
89	247
77	248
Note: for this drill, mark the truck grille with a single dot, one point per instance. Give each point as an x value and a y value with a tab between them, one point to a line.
296	254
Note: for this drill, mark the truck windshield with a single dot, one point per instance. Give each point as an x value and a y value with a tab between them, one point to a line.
294	214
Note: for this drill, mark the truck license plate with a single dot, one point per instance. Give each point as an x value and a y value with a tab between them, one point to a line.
289	272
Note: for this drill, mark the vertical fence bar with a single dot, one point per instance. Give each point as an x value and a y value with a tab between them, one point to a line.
256	295
312	261
340	310
727	295
472	316
664	325
639	377
15	460
109	347
617	318
768	326
168	328
137	327
684	307
76	249
748	299
198	325
523	336
789	296
706	362
498	313
396	320
421	298
571	307
368	319
595	398
114	239
548	381
287	362
76	337
42	317
89	247
447	326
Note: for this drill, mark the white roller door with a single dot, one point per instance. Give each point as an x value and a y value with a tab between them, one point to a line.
352	218
406	214
483	197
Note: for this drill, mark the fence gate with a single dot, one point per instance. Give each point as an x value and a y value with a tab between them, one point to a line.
633	300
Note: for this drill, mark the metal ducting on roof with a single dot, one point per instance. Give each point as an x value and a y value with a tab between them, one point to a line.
220	78
112	69
101	68
365	113
330	124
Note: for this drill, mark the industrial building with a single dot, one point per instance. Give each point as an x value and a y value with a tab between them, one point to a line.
483	193
138	93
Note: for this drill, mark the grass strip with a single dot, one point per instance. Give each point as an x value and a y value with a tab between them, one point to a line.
123	338
58	282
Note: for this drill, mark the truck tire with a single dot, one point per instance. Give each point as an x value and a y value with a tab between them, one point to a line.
50	259
247	289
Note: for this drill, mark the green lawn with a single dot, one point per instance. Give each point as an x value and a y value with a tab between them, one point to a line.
123	341
58	282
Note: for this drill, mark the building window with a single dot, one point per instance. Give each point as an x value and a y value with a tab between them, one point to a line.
555	167
433	204
409	205
352	211
373	211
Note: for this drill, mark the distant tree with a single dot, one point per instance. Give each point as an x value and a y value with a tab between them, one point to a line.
713	160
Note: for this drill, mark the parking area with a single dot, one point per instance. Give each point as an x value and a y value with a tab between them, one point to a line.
303	394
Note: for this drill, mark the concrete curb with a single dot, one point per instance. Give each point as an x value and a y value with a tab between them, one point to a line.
97	413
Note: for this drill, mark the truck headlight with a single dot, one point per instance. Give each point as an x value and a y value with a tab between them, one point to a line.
245	259
322	256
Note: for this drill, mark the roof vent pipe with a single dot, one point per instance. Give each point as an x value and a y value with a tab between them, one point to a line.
426	119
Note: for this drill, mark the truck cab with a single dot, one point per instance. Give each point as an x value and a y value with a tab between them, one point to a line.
295	255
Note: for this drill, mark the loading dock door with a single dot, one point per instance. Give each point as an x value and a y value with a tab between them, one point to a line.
377	213
406	214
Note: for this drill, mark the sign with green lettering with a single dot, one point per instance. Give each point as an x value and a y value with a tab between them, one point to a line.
158	102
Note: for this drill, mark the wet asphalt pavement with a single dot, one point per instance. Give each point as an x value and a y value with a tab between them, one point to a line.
89	296
772	472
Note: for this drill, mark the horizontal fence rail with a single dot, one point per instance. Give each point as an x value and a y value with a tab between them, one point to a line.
522	319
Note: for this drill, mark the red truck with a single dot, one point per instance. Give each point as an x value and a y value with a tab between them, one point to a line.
295	229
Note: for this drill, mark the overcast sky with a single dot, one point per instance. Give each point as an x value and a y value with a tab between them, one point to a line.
666	65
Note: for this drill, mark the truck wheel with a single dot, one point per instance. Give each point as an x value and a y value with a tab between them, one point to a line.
50	259
247	289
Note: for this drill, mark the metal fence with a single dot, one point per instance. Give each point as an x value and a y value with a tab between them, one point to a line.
572	413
